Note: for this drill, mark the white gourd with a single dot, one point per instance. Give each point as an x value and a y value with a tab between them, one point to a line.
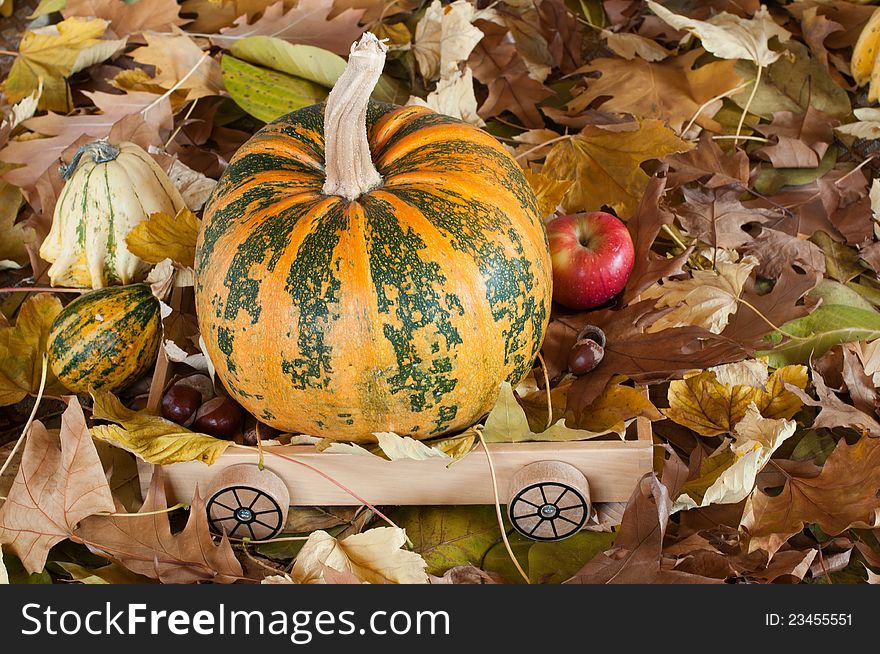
109	190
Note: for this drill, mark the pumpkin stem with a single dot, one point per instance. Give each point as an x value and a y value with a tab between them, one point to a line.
349	166
101	152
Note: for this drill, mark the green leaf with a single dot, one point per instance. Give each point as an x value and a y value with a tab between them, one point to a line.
507	423
823	329
309	63
266	94
832	292
447	536
553	563
841	261
151	437
770	179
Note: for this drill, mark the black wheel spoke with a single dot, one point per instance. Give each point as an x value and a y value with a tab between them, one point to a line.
522	499
267	526
528	515
228	508
266	511
235	529
573	506
562	517
237	498
561	495
250	529
553	526
543	494
254	501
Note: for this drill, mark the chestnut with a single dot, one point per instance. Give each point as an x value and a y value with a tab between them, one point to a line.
220	417
588	350
180	404
255	430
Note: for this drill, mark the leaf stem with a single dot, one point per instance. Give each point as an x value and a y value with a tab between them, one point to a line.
542	145
179	505
498	511
748	103
43	374
42	289
703	106
547	388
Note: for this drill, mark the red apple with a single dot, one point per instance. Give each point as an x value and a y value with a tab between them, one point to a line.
592	256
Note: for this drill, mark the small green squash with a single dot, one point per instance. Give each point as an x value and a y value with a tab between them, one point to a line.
106	339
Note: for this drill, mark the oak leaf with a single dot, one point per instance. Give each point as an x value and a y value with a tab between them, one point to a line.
843	495
646	223
49	55
308	22
373	556
717	217
22	347
709	407
673	90
55	489
165	237
606	166
778	251
707	299
144	544
497	64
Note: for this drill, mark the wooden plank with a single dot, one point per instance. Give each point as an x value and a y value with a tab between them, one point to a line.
612	468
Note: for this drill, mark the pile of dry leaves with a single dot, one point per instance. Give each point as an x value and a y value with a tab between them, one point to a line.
733	140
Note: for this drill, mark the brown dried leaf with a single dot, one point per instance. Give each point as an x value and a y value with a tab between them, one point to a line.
778	251
306	23
180	63
708	160
835	412
717	217
844	495
801	139
144	543
55	488
128	17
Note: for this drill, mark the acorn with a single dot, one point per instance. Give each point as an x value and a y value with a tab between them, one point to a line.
220	417
180	404
588	351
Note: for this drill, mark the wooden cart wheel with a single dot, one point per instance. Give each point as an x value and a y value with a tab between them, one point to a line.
549	500
246	502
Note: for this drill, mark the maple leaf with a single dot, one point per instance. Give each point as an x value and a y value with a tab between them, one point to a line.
707	299
709	407
444	37
180	63
497	64
165	237
727	476
710	165
637	555
55	489
128	17
843	495
673	90
643	227
778	251
548	191
213	15
49	55
373	556
144	543
308	22
605	166
22	347
38	154
717	217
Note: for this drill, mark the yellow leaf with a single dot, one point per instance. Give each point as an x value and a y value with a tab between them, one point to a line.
615	406
707	300
180	63
445	37
702	403
605	167
151	437
12	247
54	53
728	475
163	237
374	556
549	191
22	348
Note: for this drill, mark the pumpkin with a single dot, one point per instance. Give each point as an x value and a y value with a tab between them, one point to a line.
109	190
337	297
106	339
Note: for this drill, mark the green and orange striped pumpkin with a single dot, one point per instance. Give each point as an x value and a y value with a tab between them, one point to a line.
402	310
106	339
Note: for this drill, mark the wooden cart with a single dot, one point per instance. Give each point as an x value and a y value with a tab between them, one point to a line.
550	487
